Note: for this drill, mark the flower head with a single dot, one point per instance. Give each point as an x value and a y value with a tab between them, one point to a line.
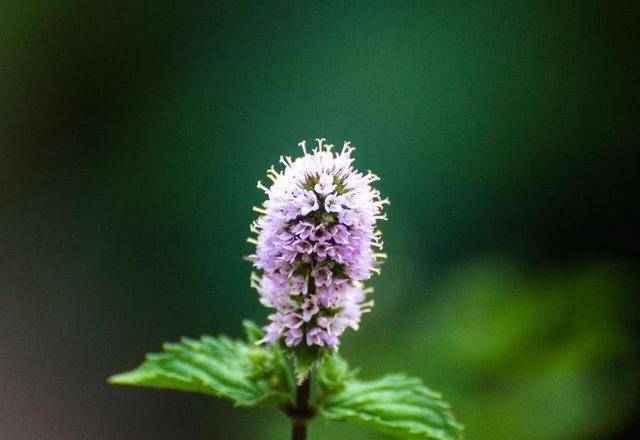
316	243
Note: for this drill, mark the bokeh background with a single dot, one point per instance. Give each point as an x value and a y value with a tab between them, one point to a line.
506	134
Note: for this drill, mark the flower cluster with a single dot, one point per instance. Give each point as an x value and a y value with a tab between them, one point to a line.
315	245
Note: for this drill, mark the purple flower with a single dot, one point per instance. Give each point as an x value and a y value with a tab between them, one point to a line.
293	337
299	284
316	240
325	184
320	233
292	320
303	229
309	308
303	246
340	234
333	203
315	336
322	250
307	202
322	275
348	217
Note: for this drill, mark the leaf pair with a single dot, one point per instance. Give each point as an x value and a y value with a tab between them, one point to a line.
252	375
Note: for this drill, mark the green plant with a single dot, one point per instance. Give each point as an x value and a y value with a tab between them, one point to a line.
314	247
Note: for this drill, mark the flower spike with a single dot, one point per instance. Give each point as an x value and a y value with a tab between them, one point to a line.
314	246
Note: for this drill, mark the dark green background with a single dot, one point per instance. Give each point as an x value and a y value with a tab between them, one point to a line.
506	135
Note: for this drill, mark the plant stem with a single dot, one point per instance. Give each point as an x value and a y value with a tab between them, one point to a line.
301	413
299	432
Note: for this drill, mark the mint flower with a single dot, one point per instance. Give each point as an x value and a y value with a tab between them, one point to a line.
316	243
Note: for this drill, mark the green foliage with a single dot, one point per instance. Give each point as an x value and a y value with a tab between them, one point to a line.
556	344
394	404
251	375
305	358
243	372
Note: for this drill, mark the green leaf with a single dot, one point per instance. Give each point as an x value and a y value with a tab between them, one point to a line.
395	404
252	331
245	373
333	373
305	358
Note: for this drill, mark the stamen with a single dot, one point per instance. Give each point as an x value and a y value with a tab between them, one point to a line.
302	145
260	210
262	187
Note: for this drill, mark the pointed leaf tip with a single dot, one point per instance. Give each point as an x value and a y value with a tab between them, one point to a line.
242	372
395	404
252	331
305	358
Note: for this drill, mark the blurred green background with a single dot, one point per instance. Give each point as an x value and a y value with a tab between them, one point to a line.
506	135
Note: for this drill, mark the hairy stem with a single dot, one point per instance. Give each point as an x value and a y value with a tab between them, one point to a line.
301	412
